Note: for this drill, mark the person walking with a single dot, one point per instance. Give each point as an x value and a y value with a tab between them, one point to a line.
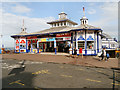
80	52
107	57
103	54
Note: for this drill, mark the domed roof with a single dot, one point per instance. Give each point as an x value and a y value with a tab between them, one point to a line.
84	18
62	13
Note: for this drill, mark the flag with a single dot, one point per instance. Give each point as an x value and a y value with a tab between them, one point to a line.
83	9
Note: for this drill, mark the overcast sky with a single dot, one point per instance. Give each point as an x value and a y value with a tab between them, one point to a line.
36	14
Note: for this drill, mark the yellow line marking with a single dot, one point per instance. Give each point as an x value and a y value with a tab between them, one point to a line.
78	69
115	84
61	66
99	71
38	88
93	80
66	76
17	82
42	72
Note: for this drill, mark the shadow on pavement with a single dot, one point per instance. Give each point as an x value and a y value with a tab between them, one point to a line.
21	80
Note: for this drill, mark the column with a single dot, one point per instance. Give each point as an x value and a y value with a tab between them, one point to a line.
76	40
55	46
19	45
31	47
72	42
97	42
85	44
109	43
59	24
37	47
94	42
63	23
26	46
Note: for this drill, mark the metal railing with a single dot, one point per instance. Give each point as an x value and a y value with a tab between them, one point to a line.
116	77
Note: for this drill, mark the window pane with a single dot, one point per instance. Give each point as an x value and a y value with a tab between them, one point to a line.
81	44
90	44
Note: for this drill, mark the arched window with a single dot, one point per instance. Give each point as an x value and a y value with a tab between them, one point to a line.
65	23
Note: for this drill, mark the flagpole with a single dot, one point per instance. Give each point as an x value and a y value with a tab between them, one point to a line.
84	10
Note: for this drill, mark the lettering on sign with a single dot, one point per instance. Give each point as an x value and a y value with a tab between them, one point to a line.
67	38
59	39
63	35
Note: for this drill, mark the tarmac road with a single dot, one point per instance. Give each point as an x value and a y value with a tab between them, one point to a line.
50	75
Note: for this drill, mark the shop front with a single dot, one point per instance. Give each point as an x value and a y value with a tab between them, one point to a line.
61	44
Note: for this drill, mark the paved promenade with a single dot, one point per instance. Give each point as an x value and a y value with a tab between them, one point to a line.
91	61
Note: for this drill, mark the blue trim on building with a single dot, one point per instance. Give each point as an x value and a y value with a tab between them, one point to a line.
85	29
52	33
97	42
72	42
85	44
55	51
37	47
90	38
19	45
81	38
94	42
90	54
26	46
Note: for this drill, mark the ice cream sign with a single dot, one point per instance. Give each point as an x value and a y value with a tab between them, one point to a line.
17	42
22	41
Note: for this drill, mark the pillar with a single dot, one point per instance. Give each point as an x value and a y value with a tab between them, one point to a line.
31	47
19	45
37	47
109	43
26	46
97	42
72	42
85	44
55	46
94	42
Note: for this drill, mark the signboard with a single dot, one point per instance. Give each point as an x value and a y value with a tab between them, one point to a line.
22	43
32	37
17	44
67	38
63	35
59	39
46	39
51	39
17	41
